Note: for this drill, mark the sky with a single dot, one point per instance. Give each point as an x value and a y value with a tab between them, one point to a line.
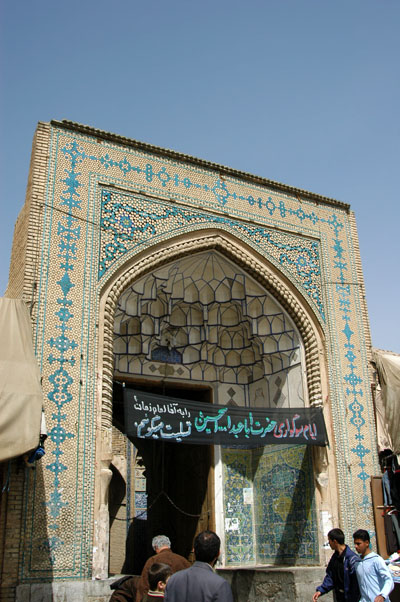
303	92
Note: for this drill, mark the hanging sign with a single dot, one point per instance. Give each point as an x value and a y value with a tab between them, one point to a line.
151	416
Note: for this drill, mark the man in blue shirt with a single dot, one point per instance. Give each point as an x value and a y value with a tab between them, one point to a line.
340	573
373	575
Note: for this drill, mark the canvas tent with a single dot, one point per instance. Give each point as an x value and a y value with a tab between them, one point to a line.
387	399
21	398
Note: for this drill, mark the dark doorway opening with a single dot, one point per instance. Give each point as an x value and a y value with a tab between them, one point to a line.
179	484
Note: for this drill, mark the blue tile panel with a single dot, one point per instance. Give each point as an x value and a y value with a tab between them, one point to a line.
280	526
239	535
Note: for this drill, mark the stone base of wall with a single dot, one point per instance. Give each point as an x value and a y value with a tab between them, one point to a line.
248	585
289	584
66	591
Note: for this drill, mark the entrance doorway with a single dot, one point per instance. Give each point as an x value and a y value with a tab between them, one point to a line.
178	484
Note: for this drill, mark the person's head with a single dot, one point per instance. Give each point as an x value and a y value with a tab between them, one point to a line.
159	573
207	546
361	541
159	542
335	538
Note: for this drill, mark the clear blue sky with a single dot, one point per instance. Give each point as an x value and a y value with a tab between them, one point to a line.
305	92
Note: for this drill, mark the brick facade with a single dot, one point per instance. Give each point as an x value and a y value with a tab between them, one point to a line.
102	212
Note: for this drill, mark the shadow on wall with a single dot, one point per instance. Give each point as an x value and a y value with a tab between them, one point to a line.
42	549
285	520
30	546
136	552
296	523
127	559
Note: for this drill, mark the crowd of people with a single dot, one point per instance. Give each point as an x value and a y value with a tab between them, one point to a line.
170	576
361	577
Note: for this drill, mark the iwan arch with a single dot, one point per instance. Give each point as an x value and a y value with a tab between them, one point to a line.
178	277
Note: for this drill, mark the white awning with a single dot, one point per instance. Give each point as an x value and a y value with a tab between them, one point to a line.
21	397
388	367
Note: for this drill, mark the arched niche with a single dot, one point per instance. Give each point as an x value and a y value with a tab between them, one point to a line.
193	300
253	264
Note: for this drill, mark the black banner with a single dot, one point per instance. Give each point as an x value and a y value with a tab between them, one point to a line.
151	416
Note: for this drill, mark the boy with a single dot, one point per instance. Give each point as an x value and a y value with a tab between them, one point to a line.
373	575
159	573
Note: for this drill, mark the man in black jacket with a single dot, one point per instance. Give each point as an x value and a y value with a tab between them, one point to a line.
199	583
340	573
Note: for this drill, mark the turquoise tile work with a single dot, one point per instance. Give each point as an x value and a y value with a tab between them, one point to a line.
269	505
284	505
239	522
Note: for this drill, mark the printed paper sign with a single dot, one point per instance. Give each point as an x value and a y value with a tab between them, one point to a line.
248	495
231	524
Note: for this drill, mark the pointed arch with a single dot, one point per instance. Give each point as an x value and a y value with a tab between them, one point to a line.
236	251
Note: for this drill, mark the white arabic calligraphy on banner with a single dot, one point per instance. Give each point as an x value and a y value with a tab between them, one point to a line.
176	420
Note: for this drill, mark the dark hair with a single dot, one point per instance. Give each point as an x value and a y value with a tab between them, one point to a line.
361	534
158	572
385	456
336	535
206	546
